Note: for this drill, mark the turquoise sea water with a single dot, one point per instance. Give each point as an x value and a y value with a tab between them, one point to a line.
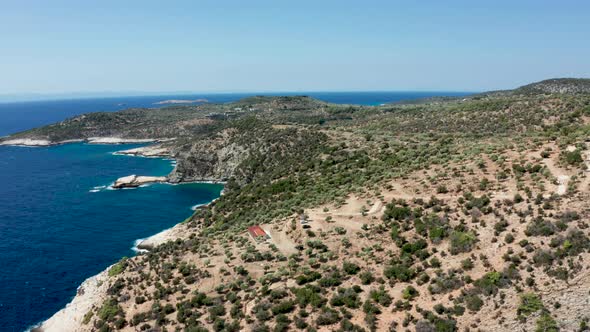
60	224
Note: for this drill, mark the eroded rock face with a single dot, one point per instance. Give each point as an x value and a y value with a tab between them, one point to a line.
133	181
147	151
212	161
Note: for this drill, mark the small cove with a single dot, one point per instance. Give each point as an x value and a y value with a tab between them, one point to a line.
60	223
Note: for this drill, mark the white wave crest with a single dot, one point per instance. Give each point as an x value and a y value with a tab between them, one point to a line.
195	207
136	249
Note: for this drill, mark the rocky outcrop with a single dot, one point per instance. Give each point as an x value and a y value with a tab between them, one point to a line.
26	142
164	236
147	151
208	161
117	140
90	294
133	181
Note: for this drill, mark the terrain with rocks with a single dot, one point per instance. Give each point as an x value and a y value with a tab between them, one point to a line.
463	214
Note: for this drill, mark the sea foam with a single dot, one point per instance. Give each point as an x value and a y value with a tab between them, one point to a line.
136	249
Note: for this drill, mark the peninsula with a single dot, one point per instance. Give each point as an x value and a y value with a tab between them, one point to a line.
451	214
181	101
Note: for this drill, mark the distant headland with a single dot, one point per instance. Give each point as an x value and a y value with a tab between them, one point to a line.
181	101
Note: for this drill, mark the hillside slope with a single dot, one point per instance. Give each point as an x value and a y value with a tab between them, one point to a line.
467	214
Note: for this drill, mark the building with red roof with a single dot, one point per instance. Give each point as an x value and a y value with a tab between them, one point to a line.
257	233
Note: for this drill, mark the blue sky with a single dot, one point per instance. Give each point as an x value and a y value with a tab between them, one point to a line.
224	46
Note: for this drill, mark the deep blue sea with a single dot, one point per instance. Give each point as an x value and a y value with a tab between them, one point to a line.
59	222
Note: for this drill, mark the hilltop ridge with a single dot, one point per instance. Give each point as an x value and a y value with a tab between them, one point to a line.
557	85
564	86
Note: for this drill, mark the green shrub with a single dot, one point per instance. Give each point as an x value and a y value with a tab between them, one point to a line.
509	238
87	317
308	277
110	310
546	323
540	227
118	267
350	268
573	158
331	280
381	296
346	297
395	212
399	271
366	277
283	307
442	189
490	282
308	295
473	302
529	303
409	293
328	316
462	242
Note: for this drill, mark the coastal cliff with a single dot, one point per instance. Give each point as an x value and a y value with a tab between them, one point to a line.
215	161
94	291
443	215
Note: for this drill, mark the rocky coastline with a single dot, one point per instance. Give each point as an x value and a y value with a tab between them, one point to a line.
38	142
93	291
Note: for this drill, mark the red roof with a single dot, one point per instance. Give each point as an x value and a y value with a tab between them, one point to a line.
256	231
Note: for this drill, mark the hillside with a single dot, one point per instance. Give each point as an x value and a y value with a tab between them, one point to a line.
458	214
558	85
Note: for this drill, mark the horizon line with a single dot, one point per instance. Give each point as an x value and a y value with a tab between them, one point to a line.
30	97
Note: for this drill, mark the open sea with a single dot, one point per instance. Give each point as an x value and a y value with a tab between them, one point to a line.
60	223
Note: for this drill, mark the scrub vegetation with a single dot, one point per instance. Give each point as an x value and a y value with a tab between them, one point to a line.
439	215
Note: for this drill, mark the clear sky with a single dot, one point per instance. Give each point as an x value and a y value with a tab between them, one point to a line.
322	45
